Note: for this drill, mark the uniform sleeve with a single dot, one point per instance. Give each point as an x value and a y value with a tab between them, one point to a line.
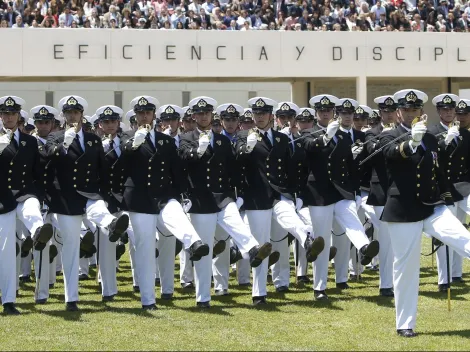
396	150
241	153
188	151
54	148
312	143
372	142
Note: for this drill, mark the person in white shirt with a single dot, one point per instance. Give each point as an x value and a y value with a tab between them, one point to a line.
208	6
195	7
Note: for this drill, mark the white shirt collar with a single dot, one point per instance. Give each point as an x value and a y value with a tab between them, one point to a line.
17	135
346	130
323	128
116	141
406	128
42	140
80	134
445	127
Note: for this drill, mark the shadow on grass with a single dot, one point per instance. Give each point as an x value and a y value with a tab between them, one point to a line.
461	333
456	292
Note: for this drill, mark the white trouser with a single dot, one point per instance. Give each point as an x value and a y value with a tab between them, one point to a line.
221	263
173	217
166	260
343	250
406	244
385	253
460	210
56	240
243	265
281	269
70	228
186	268
229	219
260	224
322	217
301	261
8	259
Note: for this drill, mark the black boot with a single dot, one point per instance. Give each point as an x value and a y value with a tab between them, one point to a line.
259	253
313	247
368	252
117	227
198	250
52	253
42	235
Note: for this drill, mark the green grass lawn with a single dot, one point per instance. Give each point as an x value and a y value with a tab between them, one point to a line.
356	319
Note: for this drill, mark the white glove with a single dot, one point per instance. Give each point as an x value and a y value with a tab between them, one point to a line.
4	141
356	150
168	131
358	202
139	137
239	202
187	204
298	204
417	133
106	145
285	130
331	129
204	142
69	136
251	142
451	134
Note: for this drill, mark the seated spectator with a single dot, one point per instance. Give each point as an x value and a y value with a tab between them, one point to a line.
233	26
112	14
208	6
19	23
177	17
246	26
66	17
205	19
304	20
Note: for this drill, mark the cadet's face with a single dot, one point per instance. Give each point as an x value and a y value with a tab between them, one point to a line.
388	116
324	116
262	119
303	125
43	128
217	128
73	116
230	125
172	123
145	117
346	119
246	125
360	123
109	126
464	120
446	115
407	115
203	119
10	120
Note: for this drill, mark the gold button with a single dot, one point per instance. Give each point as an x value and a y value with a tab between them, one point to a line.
24	173
11	163
148	184
110	174
267	174
418	167
24	165
163	170
418	175
279	167
9	179
317	145
9	171
279	160
220	179
74	178
417	194
150	168
76	163
9	187
300	164
208	169
57	154
74	186
267	159
45	174
418	185
342	175
89	164
208	185
329	171
45	182
163	162
450	163
87	180
267	165
150	175
75	170
208	177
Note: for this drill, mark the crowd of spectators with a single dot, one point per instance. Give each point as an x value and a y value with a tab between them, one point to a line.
301	15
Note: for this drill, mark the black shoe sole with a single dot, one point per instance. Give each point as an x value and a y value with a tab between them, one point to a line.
274	258
218	248
44	236
120	250
26	246
87	242
371	251
121	226
263	252
318	246
202	251
333	251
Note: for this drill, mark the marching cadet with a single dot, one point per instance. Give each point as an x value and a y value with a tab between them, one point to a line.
265	154
216	124
416	202
20	171
454	153
109	117
23	120
44	116
210	162
285	118
379	184
154	181
187	122
130	117
333	186
246	120
81	184
374	119
170	116
305	120
29	126
463	113
230	126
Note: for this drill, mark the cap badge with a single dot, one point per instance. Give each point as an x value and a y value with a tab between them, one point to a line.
278	139
359	110
447	100
202	103
231	109
347	104
219	142
169	110
90	143
9	102
411	97
143	101
285	107
248	114
462	105
160	141
389	101
306	113
260	103
23	143
108	111
325	101
72	101
43	111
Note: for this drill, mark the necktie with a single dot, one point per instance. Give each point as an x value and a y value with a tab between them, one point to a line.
77	141
268	142
350	136
112	150
14	142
